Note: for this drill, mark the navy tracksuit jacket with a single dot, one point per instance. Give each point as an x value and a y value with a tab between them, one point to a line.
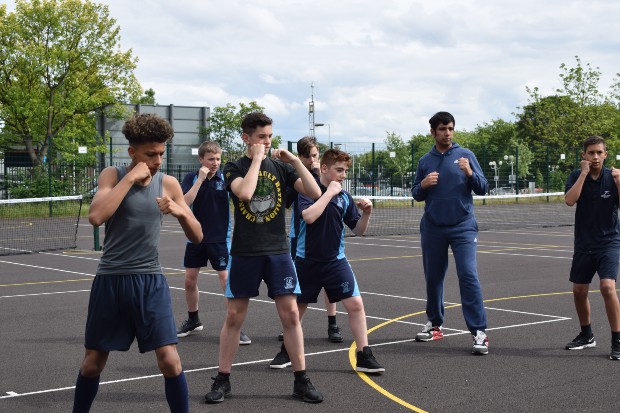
449	221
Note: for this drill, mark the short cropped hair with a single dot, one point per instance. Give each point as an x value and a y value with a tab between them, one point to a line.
305	144
331	156
254	120
147	128
208	147
443	118
593	140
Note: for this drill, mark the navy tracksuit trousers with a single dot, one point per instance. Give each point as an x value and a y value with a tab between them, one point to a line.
462	238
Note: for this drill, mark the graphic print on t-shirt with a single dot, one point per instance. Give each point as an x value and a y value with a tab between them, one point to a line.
266	201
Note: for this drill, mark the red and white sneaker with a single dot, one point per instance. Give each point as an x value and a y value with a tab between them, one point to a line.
429	333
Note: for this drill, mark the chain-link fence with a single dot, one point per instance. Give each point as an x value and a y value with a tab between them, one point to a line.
375	170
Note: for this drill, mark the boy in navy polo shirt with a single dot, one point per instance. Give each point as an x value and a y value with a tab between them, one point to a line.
260	250
320	260
205	192
595	190
308	151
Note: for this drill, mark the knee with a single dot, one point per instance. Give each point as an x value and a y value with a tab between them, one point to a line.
608	290
190	283
92	365
169	362
580	293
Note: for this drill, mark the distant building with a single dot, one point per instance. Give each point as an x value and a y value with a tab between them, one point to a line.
185	120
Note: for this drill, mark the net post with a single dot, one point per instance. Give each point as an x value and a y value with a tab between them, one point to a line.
97	246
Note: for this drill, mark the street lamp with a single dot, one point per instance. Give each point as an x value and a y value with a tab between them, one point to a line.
495	166
512	179
329	132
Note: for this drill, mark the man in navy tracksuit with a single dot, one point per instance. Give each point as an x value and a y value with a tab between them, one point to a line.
445	179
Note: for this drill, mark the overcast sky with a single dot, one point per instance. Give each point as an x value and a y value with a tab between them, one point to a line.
377	66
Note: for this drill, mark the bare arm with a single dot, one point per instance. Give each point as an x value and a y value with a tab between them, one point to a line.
573	194
366	206
615	173
244	188
190	196
173	203
314	211
111	192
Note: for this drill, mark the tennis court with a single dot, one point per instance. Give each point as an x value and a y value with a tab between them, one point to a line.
524	275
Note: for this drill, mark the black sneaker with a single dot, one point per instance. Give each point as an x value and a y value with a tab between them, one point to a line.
188	327
281	360
304	390
366	362
220	389
281	336
615	350
244	340
333	334
581	341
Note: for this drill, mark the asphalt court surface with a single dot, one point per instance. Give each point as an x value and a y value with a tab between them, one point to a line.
524	275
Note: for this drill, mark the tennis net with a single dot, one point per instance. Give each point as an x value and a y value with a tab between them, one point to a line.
401	215
39	224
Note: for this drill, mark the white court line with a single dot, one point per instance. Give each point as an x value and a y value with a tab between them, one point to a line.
14	394
40	294
458	332
45	268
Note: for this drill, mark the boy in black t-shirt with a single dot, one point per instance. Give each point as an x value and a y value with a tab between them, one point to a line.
597	240
260	250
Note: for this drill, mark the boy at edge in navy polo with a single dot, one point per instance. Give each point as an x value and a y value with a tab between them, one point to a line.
445	179
260	250
595	189
320	259
130	297
205	192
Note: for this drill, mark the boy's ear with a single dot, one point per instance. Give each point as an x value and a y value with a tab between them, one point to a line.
323	168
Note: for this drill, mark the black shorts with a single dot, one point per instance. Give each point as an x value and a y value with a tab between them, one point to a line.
336	277
586	264
124	307
198	255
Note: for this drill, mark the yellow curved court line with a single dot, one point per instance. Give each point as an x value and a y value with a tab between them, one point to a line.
371	383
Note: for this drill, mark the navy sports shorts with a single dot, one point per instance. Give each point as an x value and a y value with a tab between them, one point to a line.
336	277
122	307
586	264
198	255
246	274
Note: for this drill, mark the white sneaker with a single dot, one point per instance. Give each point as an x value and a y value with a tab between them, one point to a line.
481	343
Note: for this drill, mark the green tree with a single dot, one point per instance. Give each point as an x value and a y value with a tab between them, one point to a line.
398	166
225	128
576	111
147	98
61	63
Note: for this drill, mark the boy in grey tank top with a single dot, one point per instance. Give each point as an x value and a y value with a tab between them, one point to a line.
130	297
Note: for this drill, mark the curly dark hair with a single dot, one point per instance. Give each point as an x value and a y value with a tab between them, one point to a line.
147	128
